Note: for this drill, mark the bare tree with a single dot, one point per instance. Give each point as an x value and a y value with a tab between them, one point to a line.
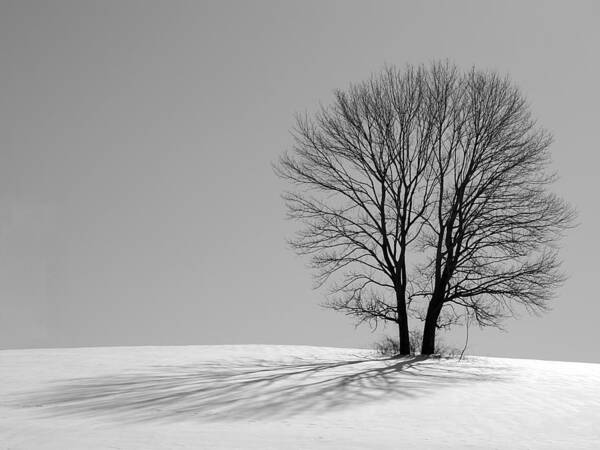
427	183
491	235
363	172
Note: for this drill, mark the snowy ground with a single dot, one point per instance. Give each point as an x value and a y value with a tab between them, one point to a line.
272	397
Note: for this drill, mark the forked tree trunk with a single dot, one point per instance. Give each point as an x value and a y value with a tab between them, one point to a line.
433	313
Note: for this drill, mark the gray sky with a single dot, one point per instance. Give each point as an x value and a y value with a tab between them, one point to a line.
137	201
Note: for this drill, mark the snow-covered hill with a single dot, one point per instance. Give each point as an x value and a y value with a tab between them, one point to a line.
292	397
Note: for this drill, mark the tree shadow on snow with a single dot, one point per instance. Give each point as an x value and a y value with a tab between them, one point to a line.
251	389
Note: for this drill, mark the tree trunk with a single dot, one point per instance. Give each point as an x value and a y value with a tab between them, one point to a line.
433	313
403	335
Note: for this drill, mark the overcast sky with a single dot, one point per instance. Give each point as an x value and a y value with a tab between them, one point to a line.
137	201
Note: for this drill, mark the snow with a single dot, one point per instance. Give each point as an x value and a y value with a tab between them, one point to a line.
294	397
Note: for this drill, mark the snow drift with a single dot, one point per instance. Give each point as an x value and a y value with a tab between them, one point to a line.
261	397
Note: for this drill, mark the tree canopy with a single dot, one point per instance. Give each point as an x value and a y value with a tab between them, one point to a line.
423	190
